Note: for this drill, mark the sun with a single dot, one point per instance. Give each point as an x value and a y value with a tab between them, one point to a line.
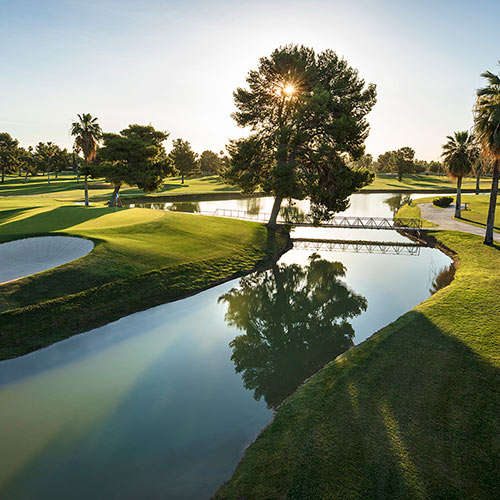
289	90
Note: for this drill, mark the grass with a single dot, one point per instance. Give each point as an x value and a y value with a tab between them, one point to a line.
141	258
412	211
411	413
417	182
477	211
66	186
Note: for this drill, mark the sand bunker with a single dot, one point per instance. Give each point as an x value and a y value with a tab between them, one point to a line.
28	256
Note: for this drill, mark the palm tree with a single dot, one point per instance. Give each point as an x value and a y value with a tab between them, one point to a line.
87	134
458	154
487	125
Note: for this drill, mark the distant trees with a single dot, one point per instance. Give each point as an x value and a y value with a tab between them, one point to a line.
403	161
87	134
137	157
8	153
400	162
365	161
307	116
183	158
487	130
49	157
26	162
460	154
210	163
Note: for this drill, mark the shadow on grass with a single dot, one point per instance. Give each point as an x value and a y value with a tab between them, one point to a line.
54	220
6	215
482	224
410	413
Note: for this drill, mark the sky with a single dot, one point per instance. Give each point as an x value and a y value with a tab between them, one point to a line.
175	64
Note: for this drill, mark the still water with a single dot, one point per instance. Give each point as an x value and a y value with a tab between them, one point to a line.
161	404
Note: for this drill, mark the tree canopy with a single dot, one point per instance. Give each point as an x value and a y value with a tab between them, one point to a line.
87	133
307	115
400	162
184	159
210	162
460	153
487	130
49	157
8	152
295	320
136	156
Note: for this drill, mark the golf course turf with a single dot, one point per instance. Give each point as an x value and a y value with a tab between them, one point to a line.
141	258
67	187
411	413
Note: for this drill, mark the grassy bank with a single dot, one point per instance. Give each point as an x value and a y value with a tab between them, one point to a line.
141	258
411	413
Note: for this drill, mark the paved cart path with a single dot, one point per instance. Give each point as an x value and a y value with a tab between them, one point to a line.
443	217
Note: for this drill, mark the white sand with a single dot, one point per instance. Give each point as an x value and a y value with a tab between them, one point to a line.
28	256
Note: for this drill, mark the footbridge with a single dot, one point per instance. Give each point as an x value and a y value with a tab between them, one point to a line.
344	221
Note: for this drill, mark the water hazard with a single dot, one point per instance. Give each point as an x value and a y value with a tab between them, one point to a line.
161	404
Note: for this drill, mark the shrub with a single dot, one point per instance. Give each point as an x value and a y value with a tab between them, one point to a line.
443	201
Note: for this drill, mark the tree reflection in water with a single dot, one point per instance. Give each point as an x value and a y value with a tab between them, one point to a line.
295	321
184	206
397	201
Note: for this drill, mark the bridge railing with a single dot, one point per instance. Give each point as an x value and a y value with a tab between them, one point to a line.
345	221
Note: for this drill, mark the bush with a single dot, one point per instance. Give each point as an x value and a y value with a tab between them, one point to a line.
443	201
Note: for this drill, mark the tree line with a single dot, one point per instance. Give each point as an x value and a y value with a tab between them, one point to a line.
48	158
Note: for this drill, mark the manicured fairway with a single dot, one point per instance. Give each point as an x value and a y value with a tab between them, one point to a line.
412	413
65	186
141	258
414	182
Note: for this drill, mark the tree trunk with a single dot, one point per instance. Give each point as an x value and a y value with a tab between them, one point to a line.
182	178
56	174
26	177
86	189
458	204
115	198
3	173
274	212
478	178
488	239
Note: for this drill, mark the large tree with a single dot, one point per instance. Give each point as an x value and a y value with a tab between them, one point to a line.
8	152
459	154
184	159
294	320
136	156
307	115
487	129
87	134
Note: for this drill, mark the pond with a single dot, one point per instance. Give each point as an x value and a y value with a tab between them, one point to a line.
161	404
